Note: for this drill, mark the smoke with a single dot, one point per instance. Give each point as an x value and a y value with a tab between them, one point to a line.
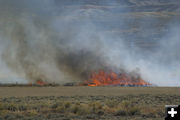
65	41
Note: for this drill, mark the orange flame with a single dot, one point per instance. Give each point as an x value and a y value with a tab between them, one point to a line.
41	83
102	78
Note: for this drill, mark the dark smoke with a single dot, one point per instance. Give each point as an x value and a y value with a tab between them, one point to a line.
49	49
63	41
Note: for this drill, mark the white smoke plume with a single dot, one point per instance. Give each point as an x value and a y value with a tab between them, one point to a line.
60	42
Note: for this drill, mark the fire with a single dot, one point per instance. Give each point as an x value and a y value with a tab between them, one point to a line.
41	83
102	78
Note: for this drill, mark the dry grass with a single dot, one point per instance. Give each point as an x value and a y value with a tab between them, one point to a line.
135	106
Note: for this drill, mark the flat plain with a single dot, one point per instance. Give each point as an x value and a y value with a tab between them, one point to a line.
86	91
86	103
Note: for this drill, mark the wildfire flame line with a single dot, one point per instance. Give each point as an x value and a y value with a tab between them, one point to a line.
41	83
102	78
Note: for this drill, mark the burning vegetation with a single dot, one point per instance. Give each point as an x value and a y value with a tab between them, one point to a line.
100	78
103	78
41	83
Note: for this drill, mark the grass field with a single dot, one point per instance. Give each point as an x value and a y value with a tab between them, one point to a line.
81	103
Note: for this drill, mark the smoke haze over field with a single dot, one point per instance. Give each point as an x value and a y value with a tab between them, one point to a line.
62	41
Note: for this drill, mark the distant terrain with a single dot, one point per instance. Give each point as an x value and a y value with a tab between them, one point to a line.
146	21
140	23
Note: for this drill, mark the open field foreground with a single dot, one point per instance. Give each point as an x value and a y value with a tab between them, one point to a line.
86	103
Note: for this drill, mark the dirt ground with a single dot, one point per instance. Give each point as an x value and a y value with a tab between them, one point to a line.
86	103
85	91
